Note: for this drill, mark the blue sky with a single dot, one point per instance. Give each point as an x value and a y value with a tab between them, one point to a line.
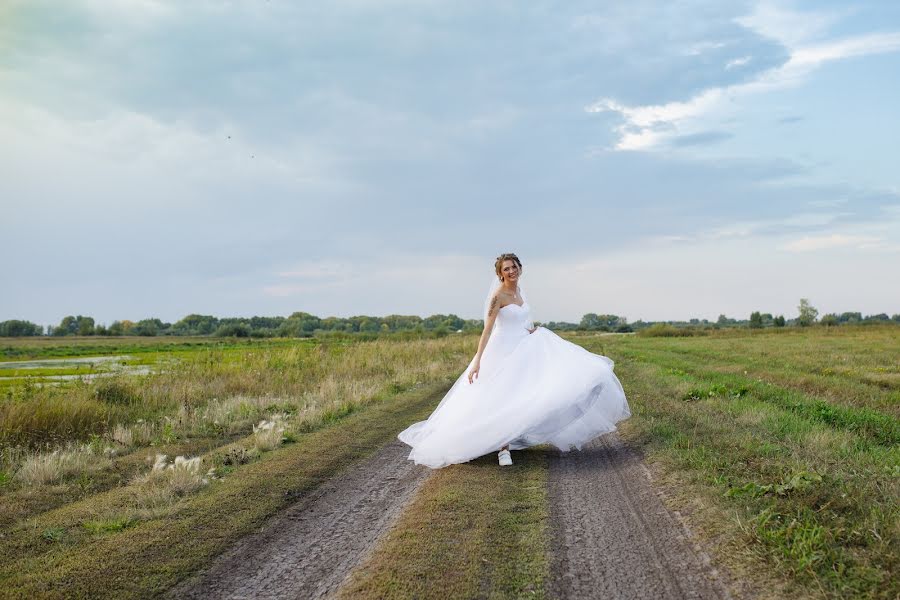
657	160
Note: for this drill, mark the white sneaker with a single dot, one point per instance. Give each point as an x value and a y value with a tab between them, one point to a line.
505	458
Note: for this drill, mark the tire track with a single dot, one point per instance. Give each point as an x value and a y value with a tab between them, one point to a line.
612	537
307	551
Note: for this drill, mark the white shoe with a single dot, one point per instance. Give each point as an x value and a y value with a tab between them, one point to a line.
505	458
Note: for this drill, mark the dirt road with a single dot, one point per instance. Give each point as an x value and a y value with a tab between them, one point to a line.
308	550
613	537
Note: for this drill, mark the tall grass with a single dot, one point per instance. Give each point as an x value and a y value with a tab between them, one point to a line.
214	393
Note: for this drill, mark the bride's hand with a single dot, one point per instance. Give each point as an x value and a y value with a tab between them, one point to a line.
474	372
532	330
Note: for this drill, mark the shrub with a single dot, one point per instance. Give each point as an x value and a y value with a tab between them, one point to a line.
114	391
666	330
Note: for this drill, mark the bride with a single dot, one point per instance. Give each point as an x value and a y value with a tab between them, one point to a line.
525	386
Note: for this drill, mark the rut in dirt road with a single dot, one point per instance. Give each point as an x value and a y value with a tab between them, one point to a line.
613	537
306	551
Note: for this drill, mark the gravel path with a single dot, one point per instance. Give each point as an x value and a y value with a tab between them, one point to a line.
612	535
306	551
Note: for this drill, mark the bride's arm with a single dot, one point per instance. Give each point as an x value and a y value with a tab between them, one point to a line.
493	309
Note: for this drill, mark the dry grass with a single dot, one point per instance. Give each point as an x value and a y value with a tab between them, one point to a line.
211	393
42	468
268	434
130	551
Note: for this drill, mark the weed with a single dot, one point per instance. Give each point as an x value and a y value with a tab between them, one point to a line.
109	525
53	534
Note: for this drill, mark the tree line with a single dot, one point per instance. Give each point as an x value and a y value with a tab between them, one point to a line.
302	324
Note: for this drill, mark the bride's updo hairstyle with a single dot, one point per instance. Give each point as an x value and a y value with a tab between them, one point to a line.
508	256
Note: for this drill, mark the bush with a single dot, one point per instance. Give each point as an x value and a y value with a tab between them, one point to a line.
114	391
829	320
666	330
241	330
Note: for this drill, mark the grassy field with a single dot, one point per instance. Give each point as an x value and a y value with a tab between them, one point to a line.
781	446
785	443
86	465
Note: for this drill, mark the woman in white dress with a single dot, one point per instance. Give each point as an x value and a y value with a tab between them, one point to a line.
525	386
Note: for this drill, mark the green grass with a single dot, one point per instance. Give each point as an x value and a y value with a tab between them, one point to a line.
787	442
783	445
473	531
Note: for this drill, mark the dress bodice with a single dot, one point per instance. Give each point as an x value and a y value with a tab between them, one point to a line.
513	319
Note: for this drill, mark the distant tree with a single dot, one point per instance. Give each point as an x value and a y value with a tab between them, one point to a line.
778	321
147	327
68	326
878	317
590	322
850	317
896	318
808	313
829	320
724	321
194	324
595	322
16	328
233	330
85	325
756	321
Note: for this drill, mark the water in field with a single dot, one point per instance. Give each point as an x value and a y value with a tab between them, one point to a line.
57	363
64	369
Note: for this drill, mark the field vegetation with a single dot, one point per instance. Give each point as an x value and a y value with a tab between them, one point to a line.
787	443
781	444
133	453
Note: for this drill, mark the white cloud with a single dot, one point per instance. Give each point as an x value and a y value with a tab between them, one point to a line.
787	27
738	62
648	127
702	47
834	240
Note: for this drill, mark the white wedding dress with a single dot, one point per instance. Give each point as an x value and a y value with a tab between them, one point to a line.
532	388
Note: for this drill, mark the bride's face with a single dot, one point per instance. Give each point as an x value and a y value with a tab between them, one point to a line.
510	270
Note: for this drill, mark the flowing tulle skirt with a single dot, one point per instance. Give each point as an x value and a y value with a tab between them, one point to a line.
538	389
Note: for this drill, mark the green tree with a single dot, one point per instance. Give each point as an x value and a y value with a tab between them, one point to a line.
85	325
829	320
778	321
756	321
808	313
148	327
68	326
16	328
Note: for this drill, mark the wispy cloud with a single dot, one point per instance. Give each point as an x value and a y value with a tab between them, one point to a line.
649	127
834	240
738	62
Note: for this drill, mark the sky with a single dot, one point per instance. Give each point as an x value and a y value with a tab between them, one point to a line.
658	160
